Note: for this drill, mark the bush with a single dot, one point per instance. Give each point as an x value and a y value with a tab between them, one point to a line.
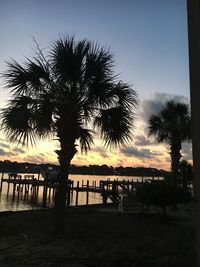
162	194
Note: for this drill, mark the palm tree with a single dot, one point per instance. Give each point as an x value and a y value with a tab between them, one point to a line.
172	125
67	95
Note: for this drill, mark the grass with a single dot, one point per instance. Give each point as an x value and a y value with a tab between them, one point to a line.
98	237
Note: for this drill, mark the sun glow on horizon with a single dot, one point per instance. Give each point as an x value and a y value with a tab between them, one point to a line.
43	152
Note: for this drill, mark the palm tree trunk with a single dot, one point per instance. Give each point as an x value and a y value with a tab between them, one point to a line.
65	156
60	198
175	160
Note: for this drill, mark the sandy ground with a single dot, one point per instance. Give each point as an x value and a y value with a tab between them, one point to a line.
98	237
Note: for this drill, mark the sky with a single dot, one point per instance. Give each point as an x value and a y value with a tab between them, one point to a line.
148	39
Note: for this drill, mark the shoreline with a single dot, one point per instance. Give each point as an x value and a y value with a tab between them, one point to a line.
90	206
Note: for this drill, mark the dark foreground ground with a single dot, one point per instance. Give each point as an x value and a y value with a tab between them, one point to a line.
97	237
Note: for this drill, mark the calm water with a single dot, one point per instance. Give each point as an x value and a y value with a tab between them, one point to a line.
10	203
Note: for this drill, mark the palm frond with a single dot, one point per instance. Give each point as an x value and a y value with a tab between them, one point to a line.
16	77
127	97
99	63
18	121
98	75
173	120
44	121
158	128
26	80
67	59
38	70
99	94
114	125
85	139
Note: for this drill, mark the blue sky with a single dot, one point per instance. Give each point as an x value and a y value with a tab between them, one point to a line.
147	37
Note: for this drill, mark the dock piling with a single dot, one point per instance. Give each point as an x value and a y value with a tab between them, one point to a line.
77	191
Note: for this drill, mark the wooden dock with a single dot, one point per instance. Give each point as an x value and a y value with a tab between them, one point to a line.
29	184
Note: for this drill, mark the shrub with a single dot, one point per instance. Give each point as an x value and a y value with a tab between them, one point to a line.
162	194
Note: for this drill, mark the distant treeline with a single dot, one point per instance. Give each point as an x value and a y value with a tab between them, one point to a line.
109	170
26	167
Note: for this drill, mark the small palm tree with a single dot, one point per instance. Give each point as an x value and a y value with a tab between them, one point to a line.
172	125
67	95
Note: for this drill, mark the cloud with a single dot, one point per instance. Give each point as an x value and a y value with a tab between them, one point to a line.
35	159
12	151
154	105
2	144
142	140
5	153
139	153
187	151
101	151
18	150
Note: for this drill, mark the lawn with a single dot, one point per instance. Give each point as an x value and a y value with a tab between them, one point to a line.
98	237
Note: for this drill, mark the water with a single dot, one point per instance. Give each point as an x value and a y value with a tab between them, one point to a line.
19	202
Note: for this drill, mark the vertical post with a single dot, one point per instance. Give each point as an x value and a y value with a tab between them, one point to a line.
71	192
87	193
44	198
22	187
25	190
132	185
28	186
72	189
49	195
34	190
123	186
8	188
14	183
193	8
68	192
128	186
117	186
103	192
77	191
38	186
107	184
19	185
1	181
53	194
100	184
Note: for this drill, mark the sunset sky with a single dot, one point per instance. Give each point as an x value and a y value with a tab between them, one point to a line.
149	41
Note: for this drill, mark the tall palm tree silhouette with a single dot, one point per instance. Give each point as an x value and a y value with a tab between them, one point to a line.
172	125
67	95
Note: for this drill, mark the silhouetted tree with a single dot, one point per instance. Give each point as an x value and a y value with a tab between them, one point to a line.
186	173
172	125
68	94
